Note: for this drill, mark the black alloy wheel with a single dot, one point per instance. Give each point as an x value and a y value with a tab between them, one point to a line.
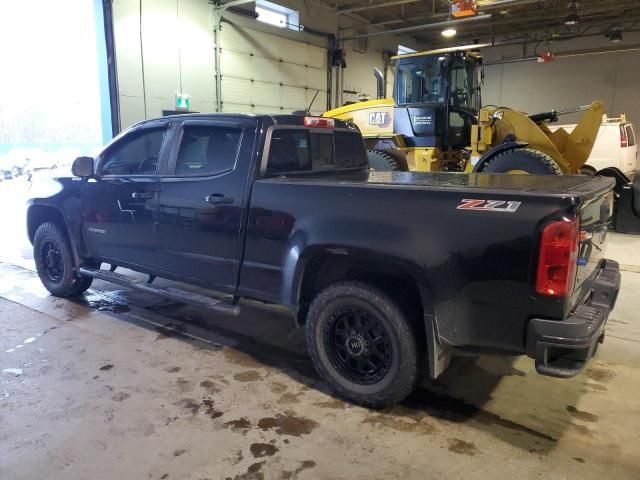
52	261
358	345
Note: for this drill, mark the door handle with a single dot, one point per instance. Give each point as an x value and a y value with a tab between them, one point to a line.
218	199
142	195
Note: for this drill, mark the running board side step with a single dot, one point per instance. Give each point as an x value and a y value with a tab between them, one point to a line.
174	294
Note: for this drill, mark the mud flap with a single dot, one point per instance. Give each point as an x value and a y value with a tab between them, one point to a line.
438	355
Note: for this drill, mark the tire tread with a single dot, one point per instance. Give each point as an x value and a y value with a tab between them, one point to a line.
535	155
407	338
73	284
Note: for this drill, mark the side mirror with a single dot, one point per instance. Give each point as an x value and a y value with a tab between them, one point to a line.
82	167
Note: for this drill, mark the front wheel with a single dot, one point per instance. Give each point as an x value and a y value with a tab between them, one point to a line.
522	161
362	344
54	262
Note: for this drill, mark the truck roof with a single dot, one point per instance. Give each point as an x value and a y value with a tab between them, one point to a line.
292	119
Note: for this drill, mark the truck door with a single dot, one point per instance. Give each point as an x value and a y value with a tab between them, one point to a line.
120	204
201	203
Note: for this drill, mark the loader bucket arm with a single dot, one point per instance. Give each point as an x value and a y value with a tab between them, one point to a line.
580	141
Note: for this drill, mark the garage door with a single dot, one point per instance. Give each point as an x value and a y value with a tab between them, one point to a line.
264	73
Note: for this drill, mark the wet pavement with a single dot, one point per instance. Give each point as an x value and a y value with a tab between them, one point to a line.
121	384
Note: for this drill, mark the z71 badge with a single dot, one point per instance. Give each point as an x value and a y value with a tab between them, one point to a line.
489	205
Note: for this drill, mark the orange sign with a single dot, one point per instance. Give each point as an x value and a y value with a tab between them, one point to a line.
463	8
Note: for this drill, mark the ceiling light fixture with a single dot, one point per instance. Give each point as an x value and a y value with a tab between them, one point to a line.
449	32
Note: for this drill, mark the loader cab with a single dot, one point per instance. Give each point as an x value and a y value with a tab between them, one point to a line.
437	98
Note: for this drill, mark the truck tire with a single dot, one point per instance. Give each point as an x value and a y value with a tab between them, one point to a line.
381	161
522	160
362	344
54	262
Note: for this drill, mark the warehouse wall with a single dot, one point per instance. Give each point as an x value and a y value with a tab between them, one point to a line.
567	82
176	52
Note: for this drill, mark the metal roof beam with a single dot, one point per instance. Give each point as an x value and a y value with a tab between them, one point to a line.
371	6
425	26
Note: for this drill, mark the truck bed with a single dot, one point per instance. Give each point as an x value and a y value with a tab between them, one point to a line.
546	185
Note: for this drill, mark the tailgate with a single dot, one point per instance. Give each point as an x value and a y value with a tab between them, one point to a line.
595	218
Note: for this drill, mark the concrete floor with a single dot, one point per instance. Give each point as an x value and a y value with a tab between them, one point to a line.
122	385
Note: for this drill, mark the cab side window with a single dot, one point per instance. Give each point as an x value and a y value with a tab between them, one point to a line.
135	154
207	150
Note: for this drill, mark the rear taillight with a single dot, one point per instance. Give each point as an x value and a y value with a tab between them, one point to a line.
624	140
319	122
558	258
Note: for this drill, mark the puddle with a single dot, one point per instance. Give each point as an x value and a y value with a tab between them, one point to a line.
602	375
114	301
463	448
253	472
580	415
241	424
288	424
248	376
306	464
259	450
442	406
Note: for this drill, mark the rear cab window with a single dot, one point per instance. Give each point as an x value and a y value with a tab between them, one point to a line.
298	150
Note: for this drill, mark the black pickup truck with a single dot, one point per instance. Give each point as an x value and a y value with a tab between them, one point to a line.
388	272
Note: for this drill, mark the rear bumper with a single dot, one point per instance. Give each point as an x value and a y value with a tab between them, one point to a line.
562	348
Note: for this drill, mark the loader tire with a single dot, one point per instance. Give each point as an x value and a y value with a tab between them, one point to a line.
523	161
381	161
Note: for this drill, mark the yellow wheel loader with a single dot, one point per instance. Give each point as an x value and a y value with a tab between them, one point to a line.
435	122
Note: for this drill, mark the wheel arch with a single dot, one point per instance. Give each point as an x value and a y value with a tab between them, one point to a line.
320	267
38	214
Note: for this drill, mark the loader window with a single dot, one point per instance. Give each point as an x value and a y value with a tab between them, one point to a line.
465	91
422	82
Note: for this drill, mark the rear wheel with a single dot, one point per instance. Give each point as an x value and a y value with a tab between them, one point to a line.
382	161
54	262
522	161
362	344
